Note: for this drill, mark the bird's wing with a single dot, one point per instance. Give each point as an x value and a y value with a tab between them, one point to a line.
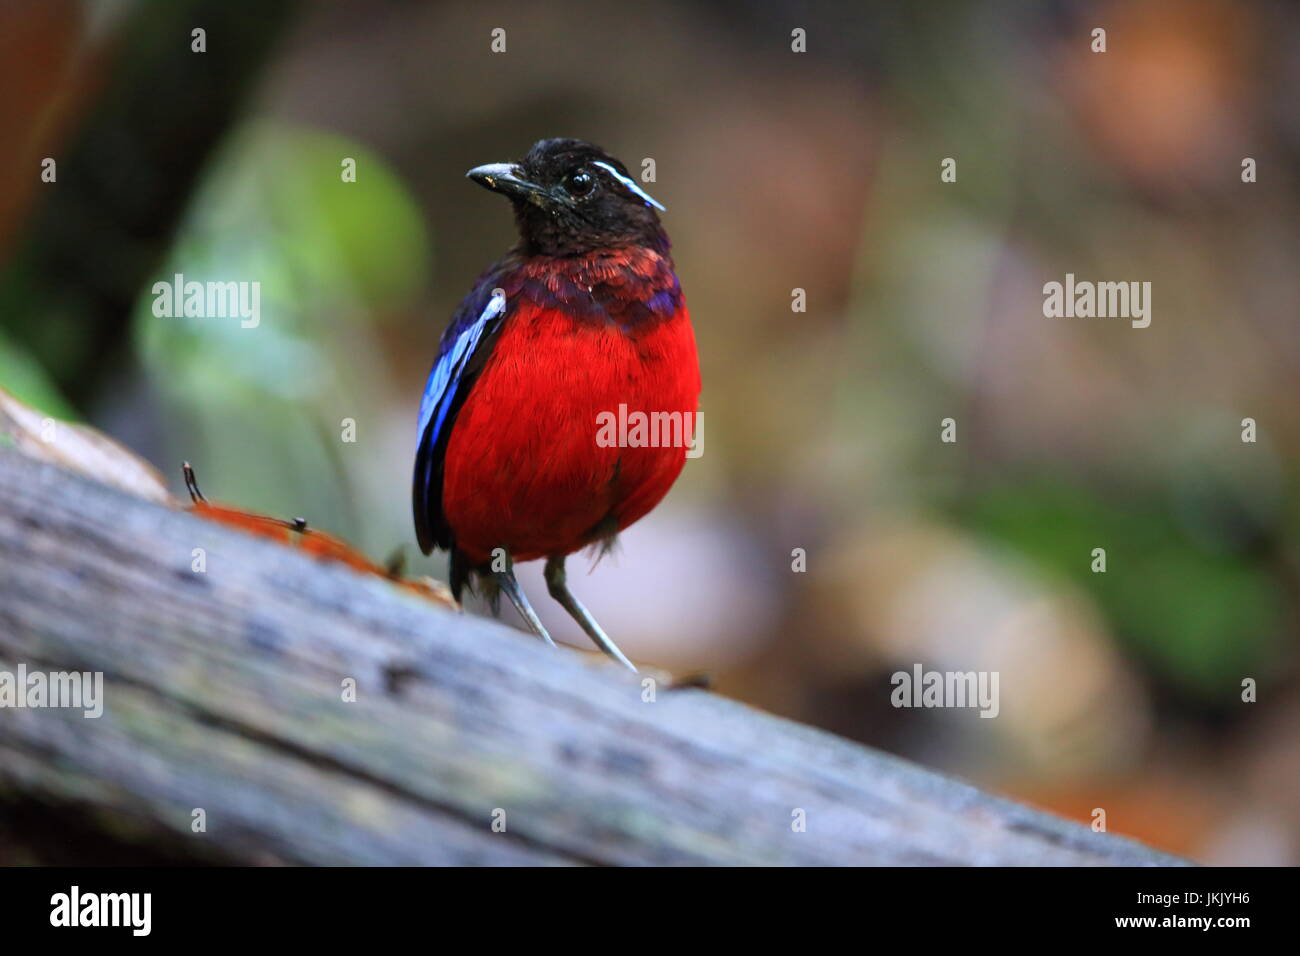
462	354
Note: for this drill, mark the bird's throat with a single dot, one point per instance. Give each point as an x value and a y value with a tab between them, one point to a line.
629	285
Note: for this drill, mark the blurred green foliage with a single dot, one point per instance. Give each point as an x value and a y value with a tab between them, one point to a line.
277	212
28	382
262	407
1202	615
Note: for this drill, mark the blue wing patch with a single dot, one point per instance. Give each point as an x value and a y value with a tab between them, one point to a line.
631	185
452	375
440	390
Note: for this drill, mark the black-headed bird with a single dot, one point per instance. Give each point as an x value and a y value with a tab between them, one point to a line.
583	321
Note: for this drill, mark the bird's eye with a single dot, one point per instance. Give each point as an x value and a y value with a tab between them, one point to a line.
579	183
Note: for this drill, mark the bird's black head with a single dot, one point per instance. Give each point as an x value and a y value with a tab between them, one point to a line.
572	198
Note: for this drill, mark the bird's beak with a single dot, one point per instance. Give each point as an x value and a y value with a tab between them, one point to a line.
505	178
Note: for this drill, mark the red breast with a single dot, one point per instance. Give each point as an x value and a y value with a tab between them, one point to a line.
524	468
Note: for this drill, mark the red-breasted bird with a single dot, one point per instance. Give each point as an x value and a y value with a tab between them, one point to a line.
584	315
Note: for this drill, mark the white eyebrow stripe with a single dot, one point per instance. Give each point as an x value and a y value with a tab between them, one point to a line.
630	184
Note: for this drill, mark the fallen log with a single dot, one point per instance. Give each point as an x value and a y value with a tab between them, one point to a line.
276	709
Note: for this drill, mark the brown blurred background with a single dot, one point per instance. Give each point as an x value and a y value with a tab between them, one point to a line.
780	170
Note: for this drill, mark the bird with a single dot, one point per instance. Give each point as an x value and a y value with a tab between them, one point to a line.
582	318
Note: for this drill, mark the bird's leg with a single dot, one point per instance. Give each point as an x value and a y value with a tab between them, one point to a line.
506	581
555	579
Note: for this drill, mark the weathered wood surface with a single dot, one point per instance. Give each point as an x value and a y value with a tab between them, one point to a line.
223	692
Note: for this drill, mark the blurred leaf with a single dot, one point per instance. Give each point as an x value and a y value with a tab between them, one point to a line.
1202	617
259	408
25	380
277	212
